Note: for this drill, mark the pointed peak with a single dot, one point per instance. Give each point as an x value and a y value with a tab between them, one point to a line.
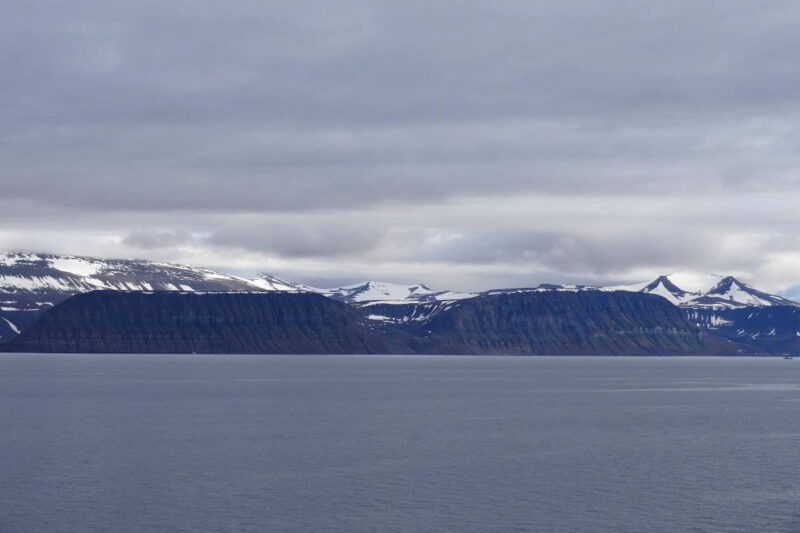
726	283
666	283
729	292
734	281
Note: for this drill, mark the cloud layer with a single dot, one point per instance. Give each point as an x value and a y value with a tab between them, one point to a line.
467	144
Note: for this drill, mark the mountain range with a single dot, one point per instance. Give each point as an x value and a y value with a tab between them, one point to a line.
532	323
724	292
31	284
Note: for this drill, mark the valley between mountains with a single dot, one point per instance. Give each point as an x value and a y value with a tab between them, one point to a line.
51	303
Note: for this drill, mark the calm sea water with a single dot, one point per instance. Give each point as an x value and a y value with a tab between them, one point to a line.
305	443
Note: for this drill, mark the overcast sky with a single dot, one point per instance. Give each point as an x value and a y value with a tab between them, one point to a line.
464	144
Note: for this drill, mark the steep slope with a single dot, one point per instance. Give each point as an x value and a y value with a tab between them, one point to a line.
173	322
561	322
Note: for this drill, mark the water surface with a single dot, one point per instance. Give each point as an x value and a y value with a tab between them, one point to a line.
470	444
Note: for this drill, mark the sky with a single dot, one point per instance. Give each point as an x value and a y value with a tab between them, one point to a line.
464	144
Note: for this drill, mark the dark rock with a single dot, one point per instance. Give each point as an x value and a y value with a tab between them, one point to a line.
570	323
533	323
770	330
170	322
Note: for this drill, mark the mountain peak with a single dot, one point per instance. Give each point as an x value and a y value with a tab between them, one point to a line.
664	287
726	283
667	284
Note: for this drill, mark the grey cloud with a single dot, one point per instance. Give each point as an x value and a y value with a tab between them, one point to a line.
297	239
298	169
568	254
142	91
319	61
154	239
315	129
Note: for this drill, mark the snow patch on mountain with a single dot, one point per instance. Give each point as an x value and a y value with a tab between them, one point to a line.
665	288
76	265
661	290
11	325
707	320
372	292
729	289
392	303
34	282
13	284
271	283
450	296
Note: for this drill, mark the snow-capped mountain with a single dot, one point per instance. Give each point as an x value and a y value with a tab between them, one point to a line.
664	287
725	293
661	286
391	303
732	293
378	292
768	323
23	273
391	293
31	283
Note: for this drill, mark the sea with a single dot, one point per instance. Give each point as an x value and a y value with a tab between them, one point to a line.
195	443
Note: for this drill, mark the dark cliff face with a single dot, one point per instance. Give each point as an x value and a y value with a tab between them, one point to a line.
771	330
169	322
568	323
590	323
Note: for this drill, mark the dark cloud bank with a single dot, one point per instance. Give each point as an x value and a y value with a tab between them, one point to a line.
468	144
